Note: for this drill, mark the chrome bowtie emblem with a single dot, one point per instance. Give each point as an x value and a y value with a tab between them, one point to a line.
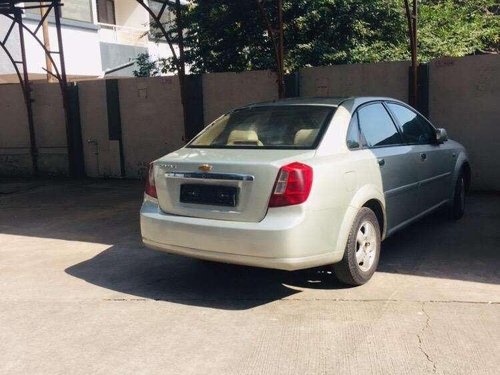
205	167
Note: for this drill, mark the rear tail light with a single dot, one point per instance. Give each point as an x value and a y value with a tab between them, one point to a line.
292	185
150	182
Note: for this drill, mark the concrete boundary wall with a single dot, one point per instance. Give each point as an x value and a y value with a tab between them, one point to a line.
152	122
465	99
380	79
145	120
50	131
15	159
102	156
225	91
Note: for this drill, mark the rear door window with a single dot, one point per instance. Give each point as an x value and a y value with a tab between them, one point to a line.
353	136
377	127
416	129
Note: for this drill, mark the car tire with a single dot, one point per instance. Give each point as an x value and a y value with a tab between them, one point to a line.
362	252
457	207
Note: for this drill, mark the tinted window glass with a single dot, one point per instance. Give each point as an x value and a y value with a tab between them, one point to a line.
106	11
283	126
353	133
416	129
377	126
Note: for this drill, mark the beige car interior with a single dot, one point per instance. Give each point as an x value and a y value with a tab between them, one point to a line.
237	137
305	137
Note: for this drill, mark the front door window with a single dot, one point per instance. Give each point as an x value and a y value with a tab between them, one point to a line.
416	129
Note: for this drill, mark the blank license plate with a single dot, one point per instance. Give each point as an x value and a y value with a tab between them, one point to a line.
209	194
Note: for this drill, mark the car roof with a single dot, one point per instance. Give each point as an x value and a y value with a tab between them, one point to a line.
330	101
333	101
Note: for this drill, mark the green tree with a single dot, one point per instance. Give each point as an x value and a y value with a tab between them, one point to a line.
458	28
225	35
229	35
344	31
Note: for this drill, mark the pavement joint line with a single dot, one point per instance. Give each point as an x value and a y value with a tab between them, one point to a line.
258	300
421	341
294	299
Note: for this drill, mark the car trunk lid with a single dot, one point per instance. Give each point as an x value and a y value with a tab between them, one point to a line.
221	184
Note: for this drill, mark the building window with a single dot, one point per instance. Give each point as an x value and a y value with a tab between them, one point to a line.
78	10
106	11
167	17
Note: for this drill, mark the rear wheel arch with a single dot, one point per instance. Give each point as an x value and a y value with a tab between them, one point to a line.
457	203
466	170
378	209
369	194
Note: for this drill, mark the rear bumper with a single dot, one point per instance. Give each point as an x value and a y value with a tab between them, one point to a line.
287	238
287	264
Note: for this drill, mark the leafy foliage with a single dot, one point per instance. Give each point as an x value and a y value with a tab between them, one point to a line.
229	35
328	32
146	66
225	35
458	27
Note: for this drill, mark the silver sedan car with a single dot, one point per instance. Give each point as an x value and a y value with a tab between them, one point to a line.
300	183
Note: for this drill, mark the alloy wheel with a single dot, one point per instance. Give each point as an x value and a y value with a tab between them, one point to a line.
366	246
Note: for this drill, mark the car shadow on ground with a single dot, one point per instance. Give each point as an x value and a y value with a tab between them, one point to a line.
107	214
145	273
433	247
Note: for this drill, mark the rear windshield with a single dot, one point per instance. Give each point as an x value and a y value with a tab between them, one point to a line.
288	127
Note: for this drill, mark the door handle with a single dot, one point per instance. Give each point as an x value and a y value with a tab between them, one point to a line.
381	162
423	156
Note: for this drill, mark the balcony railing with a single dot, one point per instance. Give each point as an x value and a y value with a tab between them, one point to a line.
123	35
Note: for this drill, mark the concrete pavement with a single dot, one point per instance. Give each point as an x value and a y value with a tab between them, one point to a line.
80	294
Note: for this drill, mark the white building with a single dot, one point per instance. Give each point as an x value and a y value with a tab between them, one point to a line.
98	36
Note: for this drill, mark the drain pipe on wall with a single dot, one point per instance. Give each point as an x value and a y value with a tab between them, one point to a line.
94	142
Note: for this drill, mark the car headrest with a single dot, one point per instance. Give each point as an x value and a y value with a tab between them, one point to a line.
243	136
305	136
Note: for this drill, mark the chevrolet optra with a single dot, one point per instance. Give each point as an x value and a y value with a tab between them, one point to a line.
300	183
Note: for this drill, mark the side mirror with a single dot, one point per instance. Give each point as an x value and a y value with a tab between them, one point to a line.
441	135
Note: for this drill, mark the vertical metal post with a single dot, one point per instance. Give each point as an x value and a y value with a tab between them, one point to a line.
414	60
27	95
181	69
46	43
57	15
277	46
75	170
281	75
